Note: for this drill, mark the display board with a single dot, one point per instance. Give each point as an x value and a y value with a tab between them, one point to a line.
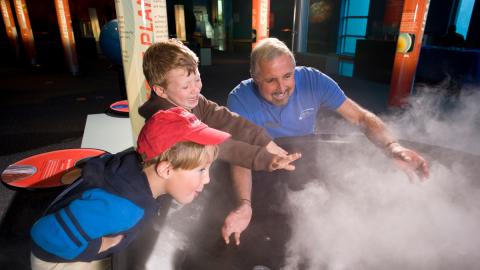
50	169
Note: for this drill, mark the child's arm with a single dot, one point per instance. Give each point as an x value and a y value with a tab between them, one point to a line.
254	157
215	116
250	146
76	231
222	118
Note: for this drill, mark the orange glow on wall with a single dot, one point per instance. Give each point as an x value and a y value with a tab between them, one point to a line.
9	23
260	20
92	13
409	44
25	29
66	34
180	22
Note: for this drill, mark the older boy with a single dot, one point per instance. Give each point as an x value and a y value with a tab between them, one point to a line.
116	195
171	70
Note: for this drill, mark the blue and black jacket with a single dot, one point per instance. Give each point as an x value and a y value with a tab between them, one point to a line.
113	198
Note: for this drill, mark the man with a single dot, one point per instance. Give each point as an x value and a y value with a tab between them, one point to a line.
285	99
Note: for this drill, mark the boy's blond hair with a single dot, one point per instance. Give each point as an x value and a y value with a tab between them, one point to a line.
164	56
186	155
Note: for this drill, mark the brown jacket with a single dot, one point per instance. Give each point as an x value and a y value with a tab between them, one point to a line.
245	148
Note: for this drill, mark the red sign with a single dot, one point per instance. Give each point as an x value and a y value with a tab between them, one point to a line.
47	169
120	106
408	50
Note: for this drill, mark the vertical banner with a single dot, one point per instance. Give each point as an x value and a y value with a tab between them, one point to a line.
92	12
10	27
66	34
409	43
180	22
140	23
25	30
260	20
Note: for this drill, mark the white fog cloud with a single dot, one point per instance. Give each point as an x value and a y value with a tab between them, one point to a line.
367	215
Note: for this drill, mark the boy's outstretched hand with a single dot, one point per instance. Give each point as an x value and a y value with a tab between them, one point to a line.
273	148
284	163
282	159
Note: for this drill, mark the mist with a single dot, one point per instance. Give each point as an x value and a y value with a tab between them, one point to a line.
366	214
439	117
358	211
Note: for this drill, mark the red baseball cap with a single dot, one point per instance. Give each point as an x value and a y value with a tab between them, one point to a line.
166	128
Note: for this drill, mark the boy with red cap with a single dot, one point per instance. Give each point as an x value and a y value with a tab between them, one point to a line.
116	196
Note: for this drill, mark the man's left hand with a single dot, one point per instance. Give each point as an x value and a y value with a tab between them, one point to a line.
236	222
409	161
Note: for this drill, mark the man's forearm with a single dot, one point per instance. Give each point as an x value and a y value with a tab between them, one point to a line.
371	125
242	184
376	131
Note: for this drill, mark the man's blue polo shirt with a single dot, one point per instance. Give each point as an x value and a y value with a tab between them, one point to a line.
313	90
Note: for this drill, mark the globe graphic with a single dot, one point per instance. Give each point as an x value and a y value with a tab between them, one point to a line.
320	11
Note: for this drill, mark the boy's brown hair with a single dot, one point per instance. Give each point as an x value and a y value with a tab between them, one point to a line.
164	56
